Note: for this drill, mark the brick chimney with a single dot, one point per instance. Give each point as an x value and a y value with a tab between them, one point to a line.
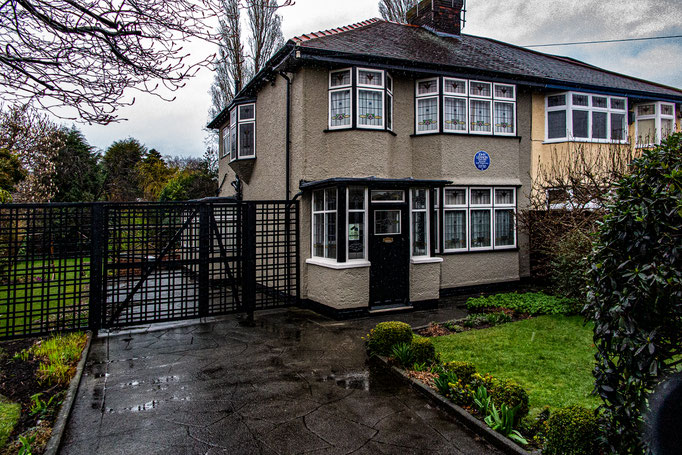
439	16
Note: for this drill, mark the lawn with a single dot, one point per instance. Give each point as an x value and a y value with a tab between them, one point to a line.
9	416
550	356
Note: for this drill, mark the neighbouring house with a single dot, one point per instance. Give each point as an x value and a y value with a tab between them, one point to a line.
411	147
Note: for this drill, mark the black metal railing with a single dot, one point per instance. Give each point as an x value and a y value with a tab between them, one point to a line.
103	265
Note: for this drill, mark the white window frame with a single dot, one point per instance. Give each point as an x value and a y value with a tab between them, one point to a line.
324	213
423	97
569	107
234	125
457	208
482	207
237	122
487	97
658	118
340	88
364	212
389	103
371	88
503	207
466	114
426	212
225	142
436	216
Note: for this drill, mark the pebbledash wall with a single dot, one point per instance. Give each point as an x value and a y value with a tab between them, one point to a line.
317	154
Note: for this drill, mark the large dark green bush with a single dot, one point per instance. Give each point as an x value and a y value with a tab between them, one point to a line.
385	335
569	264
424	351
463	370
635	294
534	303
572	431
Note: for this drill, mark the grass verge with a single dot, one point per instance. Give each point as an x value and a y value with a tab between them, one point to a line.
9	416
550	356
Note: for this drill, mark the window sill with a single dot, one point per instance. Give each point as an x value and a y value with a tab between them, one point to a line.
376	130
438	133
249	158
331	264
584	141
426	260
479	251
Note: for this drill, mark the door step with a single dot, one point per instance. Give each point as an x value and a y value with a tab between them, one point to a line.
390	309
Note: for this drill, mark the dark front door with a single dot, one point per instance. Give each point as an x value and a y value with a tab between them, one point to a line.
389	252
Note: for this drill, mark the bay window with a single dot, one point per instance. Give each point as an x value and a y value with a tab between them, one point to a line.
585	117
654	122
241	138
419	232
324	223
360	97
455	220
357	216
427	105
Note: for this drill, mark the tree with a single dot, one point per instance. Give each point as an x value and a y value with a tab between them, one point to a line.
122	182
77	58
154	174
635	292
35	140
79	176
196	179
266	33
11	171
395	10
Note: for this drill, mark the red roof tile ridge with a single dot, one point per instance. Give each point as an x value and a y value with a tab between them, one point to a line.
336	31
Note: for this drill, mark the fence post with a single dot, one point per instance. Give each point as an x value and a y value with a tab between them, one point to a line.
96	300
249	255
204	253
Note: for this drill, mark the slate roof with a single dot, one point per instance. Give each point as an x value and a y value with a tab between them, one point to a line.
408	43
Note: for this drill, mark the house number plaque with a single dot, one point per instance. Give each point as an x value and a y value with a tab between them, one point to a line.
388	239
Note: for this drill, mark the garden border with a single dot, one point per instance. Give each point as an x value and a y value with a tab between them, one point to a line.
471	422
65	412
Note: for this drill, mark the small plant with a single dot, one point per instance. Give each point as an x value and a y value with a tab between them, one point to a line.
474	320
498	318
437	368
26	444
502	421
420	367
424	350
453	326
23	355
38	406
404	354
385	335
443	381
482	400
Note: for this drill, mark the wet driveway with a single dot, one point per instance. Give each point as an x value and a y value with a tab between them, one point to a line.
296	383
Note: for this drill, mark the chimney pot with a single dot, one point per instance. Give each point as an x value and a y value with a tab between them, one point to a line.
440	16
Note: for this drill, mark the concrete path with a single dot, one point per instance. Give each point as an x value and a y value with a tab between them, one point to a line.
296	383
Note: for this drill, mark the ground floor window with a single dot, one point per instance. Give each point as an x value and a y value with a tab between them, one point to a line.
478	219
324	223
420	225
357	215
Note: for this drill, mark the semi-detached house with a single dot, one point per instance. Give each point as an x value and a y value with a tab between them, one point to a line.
411	148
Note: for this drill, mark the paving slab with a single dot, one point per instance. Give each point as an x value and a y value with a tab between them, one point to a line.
297	382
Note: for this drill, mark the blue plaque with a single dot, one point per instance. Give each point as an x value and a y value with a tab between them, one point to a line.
482	160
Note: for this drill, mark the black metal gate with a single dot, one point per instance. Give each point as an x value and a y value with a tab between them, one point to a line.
76	266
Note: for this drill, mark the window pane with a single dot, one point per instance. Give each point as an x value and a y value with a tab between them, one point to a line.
318	238
419	199
340	108
504	196
646	109
331	235
504	227
455	115
479	88
646	131
389	83
247	112
233	142
389	112
667	109
455	233
356	235
386	222
419	242
455	86
618	127
480	197
388	196
666	128
617	103
600	102
226	142
556	124
480	115
356	199
455	197
504	117
427	114
318	201
233	116
340	78
247	139
504	91
331	198
556	100
480	228
427	87
370	108
599	120
366	77
581	100
580	124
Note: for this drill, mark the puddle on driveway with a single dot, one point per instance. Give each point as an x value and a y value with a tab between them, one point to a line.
356	381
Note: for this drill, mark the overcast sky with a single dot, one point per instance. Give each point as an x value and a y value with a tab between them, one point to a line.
176	128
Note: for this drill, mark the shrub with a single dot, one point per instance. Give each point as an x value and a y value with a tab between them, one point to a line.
569	265
572	431
453	326
497	318
424	350
533	303
385	335
463	370
474	320
462	394
404	354
510	393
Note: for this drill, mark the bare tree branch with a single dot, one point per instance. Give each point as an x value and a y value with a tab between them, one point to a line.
395	10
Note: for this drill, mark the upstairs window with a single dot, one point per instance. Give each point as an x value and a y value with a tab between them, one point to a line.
585	117
427	105
241	140
654	122
360	97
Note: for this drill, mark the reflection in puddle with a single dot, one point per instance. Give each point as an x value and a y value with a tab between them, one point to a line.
357	381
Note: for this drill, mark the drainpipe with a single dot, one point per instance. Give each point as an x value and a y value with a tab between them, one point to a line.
288	143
